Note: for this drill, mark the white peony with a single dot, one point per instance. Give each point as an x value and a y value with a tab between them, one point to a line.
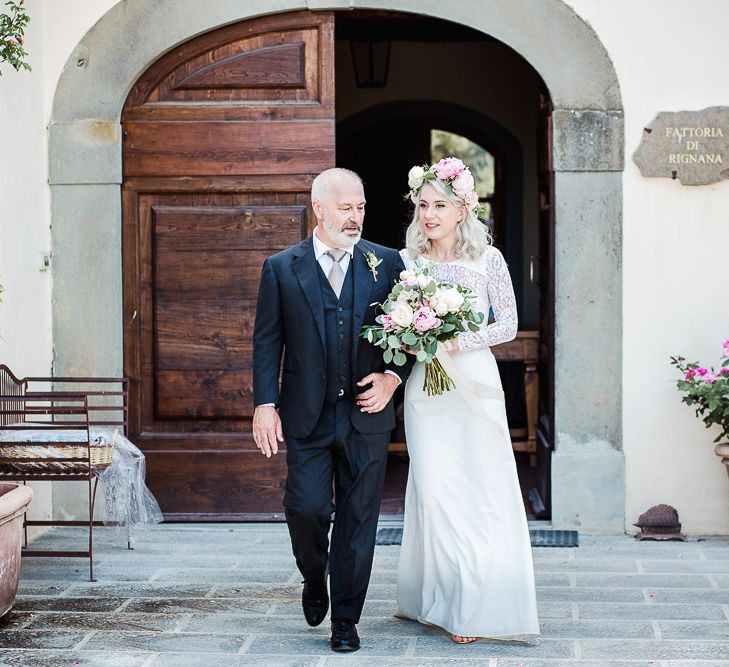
406	274
407	295
415	177
438	303
463	184
402	314
452	298
423	281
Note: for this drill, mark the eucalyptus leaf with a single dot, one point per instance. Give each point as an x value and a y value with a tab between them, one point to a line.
399	358
387	356
409	338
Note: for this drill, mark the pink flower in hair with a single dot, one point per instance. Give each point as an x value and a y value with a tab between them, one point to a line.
463	183
449	167
471	199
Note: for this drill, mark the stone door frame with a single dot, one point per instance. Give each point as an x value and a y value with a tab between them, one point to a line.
85	175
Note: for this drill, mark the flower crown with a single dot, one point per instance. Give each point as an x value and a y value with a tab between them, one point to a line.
455	176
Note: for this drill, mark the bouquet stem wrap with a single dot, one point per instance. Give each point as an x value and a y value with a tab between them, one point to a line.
436	380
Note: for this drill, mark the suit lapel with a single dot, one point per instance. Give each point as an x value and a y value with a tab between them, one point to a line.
305	268
363	282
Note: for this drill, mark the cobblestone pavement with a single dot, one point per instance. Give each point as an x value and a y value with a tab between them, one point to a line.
229	594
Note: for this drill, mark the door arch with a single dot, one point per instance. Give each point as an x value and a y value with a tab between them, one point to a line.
460	120
587	156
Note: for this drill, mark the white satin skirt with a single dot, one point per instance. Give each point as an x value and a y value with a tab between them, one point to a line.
465	561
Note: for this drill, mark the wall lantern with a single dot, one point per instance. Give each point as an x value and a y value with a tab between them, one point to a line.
371	62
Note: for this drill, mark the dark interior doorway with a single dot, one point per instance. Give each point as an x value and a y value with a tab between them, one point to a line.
386	124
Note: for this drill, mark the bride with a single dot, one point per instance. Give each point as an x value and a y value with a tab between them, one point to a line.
465	561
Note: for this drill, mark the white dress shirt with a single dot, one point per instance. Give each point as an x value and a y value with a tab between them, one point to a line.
325	261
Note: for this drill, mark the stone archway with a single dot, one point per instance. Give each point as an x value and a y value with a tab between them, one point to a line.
588	147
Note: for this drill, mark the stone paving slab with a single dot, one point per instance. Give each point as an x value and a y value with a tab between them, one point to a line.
40	603
690	566
181	642
656	650
75	658
652	612
209	595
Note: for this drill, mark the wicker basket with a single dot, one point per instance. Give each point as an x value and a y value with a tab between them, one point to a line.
11	455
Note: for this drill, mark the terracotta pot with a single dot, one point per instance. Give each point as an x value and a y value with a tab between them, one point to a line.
722	450
14	500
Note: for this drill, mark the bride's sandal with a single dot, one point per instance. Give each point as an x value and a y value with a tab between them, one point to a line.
459	639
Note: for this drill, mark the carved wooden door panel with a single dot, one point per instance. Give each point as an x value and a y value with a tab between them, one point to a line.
222	138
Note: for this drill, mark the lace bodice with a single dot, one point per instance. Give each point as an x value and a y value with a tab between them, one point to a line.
488	276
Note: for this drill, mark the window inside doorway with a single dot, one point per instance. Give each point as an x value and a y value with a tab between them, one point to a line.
478	159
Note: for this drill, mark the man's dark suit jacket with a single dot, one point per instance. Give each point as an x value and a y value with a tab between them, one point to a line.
290	321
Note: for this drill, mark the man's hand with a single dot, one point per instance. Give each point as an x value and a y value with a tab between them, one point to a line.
379	394
267	429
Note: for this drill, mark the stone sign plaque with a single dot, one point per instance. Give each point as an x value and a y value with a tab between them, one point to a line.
692	146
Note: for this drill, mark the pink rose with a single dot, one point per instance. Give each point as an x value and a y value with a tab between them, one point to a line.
701	371
463	183
425	320
449	167
386	322
471	199
725	370
726	348
710	379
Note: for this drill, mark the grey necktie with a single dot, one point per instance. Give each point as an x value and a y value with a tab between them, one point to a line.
336	275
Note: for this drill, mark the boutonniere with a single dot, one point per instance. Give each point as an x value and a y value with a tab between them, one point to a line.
373	261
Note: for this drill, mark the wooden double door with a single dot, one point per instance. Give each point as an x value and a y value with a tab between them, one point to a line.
221	140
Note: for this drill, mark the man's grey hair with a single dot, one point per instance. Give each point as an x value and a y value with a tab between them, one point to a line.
321	187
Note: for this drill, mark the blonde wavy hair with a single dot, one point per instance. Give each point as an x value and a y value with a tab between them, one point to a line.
472	235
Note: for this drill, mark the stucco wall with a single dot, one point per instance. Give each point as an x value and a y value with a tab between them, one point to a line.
25	216
675	268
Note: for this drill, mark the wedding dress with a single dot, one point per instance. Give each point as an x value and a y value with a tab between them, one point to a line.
465	561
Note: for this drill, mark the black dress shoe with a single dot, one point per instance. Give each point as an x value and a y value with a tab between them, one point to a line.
344	636
315	601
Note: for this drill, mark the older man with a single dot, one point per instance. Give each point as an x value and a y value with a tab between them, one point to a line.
334	406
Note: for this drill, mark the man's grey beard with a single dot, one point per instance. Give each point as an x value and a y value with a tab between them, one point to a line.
339	237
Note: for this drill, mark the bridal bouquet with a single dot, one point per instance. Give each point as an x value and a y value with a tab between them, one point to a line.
418	314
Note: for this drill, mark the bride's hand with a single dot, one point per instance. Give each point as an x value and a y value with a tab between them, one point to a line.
450	346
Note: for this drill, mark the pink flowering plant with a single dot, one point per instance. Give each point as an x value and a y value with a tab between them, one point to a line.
707	390
455	176
418	314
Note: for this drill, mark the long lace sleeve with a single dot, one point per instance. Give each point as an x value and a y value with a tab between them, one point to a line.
501	297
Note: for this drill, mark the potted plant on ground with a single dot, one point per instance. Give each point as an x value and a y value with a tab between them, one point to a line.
14	501
707	391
